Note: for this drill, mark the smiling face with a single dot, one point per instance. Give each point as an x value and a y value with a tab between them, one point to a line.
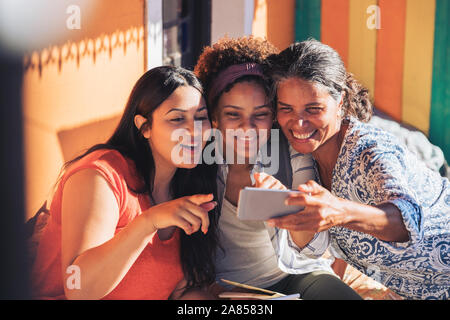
308	115
244	110
178	114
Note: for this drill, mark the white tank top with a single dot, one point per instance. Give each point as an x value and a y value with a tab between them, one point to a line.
249	256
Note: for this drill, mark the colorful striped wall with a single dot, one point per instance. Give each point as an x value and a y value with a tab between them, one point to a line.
399	49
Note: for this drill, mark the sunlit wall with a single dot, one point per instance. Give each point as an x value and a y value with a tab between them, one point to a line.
75	89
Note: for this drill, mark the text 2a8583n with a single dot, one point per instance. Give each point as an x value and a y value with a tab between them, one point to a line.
246	309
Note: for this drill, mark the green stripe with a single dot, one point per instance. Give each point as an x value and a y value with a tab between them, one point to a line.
307	19
440	95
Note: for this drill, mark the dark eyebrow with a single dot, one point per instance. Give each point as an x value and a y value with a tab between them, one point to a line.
181	110
284	104
234	107
201	109
311	104
263	106
240	108
175	109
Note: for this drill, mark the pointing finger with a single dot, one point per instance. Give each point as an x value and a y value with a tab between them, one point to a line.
198	199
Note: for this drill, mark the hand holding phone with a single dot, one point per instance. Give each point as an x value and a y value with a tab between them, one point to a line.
264	204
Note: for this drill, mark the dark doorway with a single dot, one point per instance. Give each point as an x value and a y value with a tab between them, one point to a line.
186	30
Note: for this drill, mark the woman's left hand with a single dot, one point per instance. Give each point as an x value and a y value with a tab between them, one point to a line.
322	210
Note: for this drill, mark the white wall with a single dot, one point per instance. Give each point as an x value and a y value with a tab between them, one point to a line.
154	50
231	17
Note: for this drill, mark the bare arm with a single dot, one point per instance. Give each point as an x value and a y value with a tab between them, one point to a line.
90	214
323	211
89	218
384	221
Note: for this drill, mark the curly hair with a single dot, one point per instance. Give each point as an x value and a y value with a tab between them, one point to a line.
314	61
232	51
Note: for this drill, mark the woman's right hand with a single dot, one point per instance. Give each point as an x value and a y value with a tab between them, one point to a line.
300	237
189	213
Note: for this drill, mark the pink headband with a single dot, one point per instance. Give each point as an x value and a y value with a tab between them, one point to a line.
231	74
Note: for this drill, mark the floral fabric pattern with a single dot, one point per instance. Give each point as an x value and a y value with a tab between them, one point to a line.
374	168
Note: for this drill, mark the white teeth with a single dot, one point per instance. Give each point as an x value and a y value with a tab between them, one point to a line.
303	136
247	138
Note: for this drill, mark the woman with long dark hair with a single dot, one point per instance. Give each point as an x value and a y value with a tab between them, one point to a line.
129	220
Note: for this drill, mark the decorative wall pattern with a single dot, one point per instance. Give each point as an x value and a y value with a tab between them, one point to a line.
71	51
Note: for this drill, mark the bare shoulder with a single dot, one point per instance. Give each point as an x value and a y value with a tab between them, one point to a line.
87	185
89	213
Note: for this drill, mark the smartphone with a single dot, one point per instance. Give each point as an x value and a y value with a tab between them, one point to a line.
264	204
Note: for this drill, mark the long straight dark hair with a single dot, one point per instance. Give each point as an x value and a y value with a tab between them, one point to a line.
197	251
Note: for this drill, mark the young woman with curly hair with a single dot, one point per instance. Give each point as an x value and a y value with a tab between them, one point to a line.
237	93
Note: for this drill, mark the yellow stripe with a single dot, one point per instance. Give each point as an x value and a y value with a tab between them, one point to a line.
418	63
362	44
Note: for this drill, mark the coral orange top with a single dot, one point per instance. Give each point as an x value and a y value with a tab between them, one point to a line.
155	273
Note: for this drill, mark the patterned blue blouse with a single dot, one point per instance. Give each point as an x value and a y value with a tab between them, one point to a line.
374	168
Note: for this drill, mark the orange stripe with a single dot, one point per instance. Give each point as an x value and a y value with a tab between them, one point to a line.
335	24
362	46
390	55
418	64
281	23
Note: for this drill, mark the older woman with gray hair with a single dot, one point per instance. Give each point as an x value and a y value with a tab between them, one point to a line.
386	213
